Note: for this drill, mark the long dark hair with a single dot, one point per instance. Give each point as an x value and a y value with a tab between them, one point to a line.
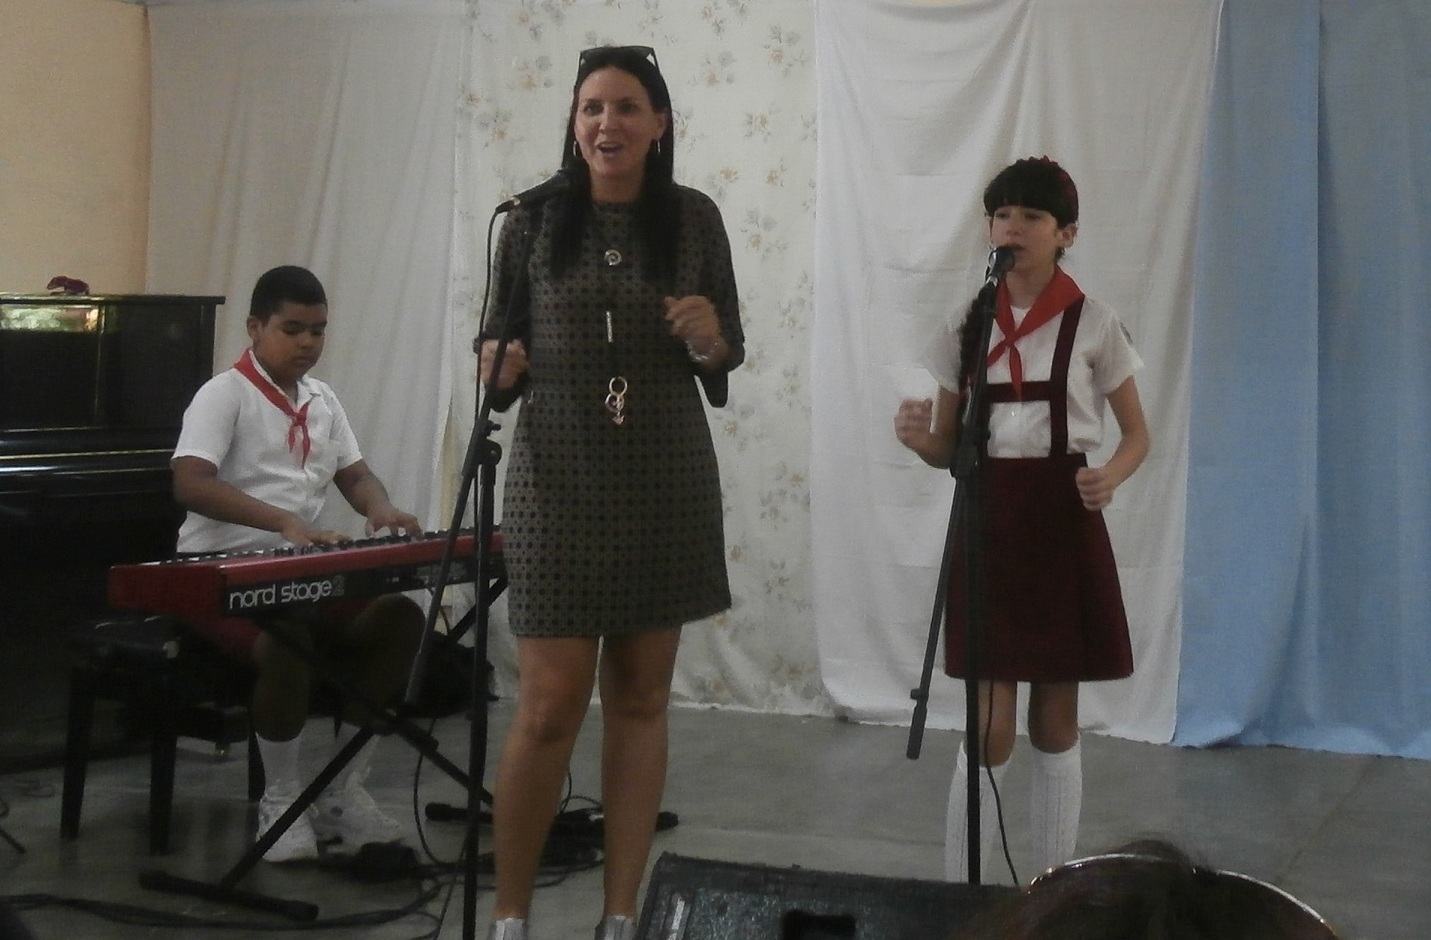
657	209
969	335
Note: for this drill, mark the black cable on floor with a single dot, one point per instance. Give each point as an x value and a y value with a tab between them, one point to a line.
135	915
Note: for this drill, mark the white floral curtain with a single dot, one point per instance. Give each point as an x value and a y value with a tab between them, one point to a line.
742	81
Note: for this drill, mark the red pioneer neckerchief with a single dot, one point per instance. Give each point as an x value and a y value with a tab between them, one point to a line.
298	418
1060	292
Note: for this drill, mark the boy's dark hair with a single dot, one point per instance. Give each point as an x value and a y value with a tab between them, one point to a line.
288	283
1036	183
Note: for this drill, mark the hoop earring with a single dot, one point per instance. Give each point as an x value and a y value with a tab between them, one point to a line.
658	146
575	150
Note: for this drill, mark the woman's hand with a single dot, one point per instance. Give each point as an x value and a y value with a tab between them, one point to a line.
514	363
694	322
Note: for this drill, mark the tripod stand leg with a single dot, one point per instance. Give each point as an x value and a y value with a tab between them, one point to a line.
225	889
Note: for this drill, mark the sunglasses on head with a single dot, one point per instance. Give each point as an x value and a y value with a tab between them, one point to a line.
645	52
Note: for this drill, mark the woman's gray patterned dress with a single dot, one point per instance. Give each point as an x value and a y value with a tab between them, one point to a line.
613	529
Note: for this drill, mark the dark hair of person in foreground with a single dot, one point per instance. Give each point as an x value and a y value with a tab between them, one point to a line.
1146	890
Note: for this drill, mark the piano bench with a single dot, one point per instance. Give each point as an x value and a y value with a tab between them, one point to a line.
173	685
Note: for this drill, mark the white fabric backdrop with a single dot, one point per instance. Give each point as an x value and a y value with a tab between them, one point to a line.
919	104
323	133
326	132
290	133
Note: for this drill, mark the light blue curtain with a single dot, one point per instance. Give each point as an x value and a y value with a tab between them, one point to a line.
1306	615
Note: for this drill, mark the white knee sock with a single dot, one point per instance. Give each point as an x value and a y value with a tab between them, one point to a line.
956	821
1055	803
280	765
356	770
343	735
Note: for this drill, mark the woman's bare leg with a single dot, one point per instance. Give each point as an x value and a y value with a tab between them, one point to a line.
555	679
635	692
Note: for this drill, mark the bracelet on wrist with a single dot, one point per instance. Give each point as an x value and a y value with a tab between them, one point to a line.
699	358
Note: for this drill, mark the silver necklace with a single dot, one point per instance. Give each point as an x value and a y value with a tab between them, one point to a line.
616	386
612	256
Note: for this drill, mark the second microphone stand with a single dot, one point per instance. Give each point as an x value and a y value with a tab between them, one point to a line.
966	516
479	469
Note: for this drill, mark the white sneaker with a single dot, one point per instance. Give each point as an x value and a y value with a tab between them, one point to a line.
508	928
298	842
616	927
348	813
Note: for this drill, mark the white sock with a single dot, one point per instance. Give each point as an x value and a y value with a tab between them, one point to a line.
345	733
1055	803
357	770
280	766
956	820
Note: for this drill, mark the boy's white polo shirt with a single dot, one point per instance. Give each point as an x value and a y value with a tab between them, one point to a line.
231	424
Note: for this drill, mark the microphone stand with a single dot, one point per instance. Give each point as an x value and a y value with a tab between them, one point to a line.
967	514
479	465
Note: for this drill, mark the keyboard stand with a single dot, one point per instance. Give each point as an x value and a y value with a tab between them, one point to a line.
226	889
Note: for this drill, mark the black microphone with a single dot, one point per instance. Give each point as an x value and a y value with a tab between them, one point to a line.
541	192
1001	259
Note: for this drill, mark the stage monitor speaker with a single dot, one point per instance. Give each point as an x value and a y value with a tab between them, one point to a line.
697	899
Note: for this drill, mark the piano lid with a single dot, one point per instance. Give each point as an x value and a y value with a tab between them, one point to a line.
92	394
79	363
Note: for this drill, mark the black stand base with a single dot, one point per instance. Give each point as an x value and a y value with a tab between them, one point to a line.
173	884
226	890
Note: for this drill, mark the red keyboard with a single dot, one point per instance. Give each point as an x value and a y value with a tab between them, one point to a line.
205	586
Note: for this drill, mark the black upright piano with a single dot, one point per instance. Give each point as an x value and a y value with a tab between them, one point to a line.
92	393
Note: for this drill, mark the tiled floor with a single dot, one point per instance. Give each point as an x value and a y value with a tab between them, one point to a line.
1350	835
